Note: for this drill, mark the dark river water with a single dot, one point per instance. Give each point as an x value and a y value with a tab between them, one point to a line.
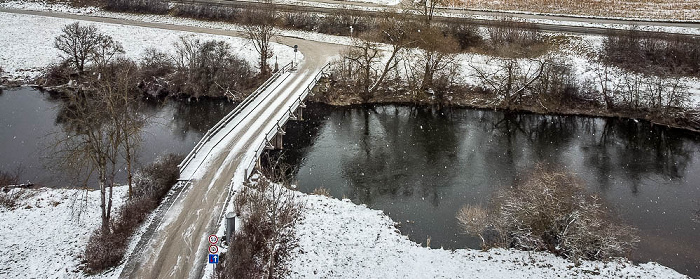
28	127
420	166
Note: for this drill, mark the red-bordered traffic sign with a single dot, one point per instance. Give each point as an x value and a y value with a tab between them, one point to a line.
213	249
213	239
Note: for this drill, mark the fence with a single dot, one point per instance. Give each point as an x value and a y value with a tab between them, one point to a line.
280	122
226	119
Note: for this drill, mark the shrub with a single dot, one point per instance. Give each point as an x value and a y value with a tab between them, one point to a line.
653	53
262	245
137	6
9	197
56	74
106	249
550	211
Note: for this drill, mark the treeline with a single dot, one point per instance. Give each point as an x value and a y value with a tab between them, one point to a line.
195	69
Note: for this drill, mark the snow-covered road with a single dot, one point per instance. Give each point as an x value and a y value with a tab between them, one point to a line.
178	249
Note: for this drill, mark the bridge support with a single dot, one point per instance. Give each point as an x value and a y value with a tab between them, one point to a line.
278	137
300	111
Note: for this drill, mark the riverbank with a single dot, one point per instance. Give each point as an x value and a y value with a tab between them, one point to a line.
338	239
471	98
45	235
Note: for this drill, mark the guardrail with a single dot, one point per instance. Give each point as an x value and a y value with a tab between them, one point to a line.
226	119
271	133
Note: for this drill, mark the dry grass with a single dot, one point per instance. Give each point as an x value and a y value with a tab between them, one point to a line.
641	9
322	192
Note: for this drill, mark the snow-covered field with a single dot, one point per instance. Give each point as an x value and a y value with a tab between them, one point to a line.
44	236
339	239
26	42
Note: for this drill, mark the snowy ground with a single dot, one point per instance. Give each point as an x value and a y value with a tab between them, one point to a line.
26	42
44	237
339	239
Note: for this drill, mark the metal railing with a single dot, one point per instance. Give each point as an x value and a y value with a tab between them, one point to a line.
280	122
226	119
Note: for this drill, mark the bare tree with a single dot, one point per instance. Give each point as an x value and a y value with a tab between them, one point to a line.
262	33
77	43
99	127
510	79
208	69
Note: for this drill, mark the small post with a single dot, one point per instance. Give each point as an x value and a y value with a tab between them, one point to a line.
296	48
230	227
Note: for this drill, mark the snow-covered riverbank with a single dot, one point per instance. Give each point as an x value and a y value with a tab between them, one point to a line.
339	239
45	236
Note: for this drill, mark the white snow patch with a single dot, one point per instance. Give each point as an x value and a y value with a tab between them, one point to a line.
43	237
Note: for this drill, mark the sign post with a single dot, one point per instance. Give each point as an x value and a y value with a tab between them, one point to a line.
213	250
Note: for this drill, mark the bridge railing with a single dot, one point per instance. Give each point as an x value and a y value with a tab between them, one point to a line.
280	122
226	119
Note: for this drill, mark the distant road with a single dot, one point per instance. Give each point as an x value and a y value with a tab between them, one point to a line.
456	15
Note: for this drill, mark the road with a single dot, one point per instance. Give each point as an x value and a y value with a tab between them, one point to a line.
453	15
177	248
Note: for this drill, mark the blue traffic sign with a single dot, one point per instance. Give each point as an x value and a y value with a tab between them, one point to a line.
213	259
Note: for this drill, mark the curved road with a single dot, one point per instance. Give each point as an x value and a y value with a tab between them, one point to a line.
177	248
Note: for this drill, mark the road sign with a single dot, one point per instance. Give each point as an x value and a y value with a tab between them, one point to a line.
213	239
213	249
213	259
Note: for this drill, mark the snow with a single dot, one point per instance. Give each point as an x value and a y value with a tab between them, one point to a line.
27	42
44	237
338	239
579	21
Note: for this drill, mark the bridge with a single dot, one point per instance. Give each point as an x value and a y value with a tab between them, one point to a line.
174	244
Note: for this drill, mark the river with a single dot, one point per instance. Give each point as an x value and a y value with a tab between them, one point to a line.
29	126
420	166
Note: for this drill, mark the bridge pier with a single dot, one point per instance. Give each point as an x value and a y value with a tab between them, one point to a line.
300	111
278	138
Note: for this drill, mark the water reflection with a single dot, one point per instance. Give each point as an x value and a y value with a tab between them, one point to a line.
32	120
419	165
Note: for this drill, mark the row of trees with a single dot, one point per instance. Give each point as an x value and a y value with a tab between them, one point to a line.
407	36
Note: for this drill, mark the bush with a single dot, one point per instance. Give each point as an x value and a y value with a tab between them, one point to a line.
106	249
653	53
262	245
9	197
550	211
137	6
56	74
